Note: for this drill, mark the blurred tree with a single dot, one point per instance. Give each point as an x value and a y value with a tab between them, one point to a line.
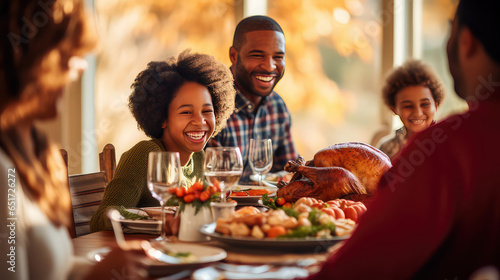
332	78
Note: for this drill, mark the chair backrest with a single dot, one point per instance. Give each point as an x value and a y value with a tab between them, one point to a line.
71	228
64	155
107	161
87	191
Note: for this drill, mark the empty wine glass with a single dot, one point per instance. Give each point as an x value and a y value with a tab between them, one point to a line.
163	174
223	165
260	156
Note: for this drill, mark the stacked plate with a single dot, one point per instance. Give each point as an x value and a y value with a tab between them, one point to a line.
250	200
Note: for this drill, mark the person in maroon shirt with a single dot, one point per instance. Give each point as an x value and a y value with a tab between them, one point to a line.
437	211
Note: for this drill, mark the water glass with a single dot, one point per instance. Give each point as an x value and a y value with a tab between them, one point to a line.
163	174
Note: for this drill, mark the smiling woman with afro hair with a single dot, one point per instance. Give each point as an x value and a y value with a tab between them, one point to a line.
155	87
180	103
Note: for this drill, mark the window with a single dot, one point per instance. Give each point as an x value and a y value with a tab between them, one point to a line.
336	56
333	62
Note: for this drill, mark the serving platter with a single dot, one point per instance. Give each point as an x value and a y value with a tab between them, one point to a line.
289	244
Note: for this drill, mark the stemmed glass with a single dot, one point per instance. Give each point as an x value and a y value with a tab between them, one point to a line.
260	156
223	165
163	174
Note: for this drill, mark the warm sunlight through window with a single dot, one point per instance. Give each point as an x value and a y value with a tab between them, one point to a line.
341	15
333	59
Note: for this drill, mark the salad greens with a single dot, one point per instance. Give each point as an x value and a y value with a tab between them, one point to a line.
301	231
177	254
305	231
269	202
313	229
185	257
291	212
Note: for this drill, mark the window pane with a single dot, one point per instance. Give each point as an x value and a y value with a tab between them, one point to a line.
133	33
332	78
331	84
436	17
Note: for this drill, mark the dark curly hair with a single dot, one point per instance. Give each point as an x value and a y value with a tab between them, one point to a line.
480	17
253	23
411	73
155	87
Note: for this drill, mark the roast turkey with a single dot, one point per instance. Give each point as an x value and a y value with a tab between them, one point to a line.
347	170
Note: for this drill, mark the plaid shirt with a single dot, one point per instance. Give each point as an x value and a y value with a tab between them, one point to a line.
271	121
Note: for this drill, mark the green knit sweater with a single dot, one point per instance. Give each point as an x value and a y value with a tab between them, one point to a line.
129	188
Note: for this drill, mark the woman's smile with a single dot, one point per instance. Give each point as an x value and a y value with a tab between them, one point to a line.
196	136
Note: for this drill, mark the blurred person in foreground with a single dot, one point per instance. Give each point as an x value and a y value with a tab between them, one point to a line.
436	213
412	92
35	204
258	64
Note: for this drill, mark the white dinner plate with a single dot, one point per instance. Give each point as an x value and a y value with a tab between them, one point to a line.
288	244
203	254
211	273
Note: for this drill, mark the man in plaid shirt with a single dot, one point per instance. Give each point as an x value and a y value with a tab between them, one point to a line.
258	63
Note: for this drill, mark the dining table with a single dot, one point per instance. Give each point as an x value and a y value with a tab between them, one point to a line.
277	260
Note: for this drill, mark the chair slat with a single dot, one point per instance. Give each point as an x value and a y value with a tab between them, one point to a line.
71	228
87	191
107	161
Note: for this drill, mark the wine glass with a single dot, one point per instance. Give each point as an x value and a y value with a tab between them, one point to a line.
163	174
260	157
223	165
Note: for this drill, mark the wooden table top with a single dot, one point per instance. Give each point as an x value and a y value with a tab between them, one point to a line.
85	244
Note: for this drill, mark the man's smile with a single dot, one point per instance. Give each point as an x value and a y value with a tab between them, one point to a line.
264	78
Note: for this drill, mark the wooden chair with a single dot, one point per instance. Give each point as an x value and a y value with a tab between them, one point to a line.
107	161
64	155
71	228
87	191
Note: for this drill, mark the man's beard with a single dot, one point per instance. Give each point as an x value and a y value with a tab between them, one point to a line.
244	79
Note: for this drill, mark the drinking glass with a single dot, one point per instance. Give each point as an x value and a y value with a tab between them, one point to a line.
260	156
163	174
223	165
